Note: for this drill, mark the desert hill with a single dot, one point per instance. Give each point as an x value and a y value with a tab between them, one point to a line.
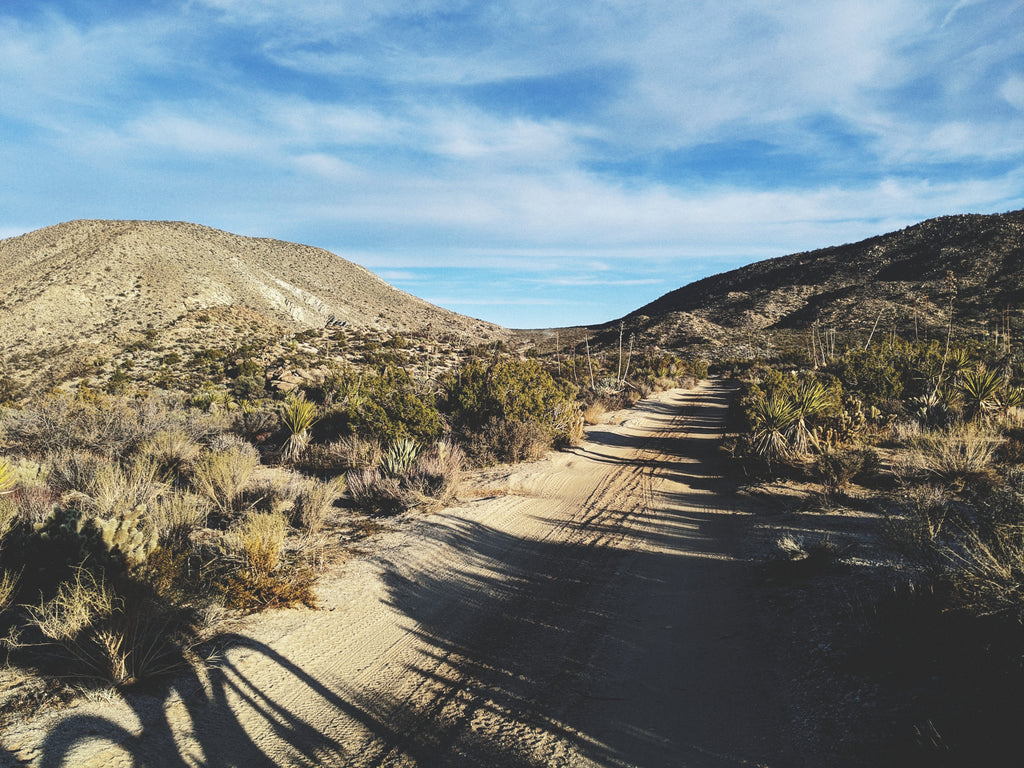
84	287
900	279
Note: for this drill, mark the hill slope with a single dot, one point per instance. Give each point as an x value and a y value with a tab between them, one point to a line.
88	285
900	278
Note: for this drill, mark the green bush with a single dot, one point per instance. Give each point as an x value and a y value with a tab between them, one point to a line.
384	405
495	400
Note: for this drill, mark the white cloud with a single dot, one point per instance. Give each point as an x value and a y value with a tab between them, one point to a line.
1012	91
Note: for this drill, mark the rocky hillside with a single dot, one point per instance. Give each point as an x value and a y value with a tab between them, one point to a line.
900	279
84	288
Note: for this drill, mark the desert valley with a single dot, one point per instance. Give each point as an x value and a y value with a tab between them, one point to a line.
259	507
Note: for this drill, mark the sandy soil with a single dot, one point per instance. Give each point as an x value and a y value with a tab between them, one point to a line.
587	610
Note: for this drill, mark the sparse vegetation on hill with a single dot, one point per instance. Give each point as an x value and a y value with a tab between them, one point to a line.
898	282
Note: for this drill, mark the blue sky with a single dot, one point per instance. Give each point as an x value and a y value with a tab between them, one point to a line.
528	162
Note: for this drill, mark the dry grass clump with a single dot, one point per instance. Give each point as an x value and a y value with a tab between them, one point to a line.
172	451
962	450
261	578
430	479
176	515
920	518
594	413
100	486
119	638
222	475
315	501
117	491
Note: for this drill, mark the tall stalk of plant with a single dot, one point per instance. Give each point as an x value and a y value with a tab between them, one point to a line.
951	284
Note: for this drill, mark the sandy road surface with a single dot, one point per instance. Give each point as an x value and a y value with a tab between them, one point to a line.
589	613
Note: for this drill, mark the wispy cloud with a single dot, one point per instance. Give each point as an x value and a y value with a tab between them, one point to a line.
662	138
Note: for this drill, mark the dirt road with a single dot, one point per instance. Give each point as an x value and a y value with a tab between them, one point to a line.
587	613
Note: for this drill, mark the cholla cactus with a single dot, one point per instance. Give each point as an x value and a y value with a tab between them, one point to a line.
126	534
400	456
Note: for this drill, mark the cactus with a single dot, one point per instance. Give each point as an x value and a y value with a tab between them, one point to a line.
122	535
125	533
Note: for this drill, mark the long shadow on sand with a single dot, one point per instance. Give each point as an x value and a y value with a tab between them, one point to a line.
529	650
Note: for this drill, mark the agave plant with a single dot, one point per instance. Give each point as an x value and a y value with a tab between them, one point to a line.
773	416
400	456
980	389
299	416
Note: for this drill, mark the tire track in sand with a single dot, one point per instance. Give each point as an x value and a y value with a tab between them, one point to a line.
574	622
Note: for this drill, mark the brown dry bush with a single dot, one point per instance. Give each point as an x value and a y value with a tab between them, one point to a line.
961	451
110	426
221	476
262	578
117	637
172	452
176	515
594	413
430	480
315	502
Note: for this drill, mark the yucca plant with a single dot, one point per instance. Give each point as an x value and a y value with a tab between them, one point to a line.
299	416
7	478
958	364
980	389
810	399
1011	397
773	416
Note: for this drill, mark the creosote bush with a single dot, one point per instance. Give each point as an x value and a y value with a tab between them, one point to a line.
509	409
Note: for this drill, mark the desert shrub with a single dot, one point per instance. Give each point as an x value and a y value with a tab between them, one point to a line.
384	404
109	426
346	453
501	408
255	423
10	390
120	636
429	480
961	451
836	469
594	413
175	516
261	577
32	502
171	451
221	476
315	501
116	491
919	518
249	387
884	373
